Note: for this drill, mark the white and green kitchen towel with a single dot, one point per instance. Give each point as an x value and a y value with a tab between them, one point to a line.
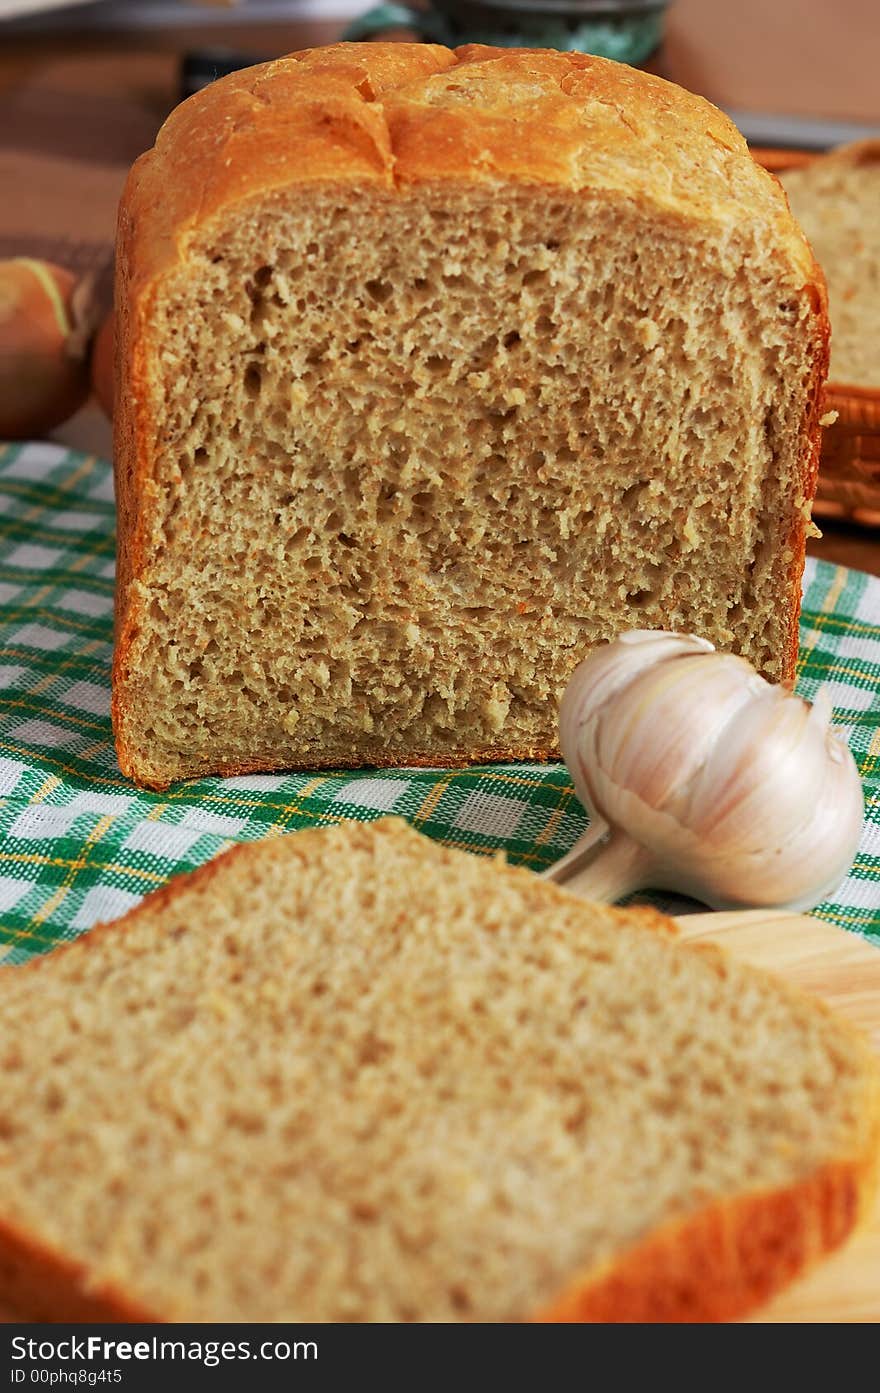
80	844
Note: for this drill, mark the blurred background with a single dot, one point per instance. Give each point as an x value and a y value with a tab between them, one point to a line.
84	87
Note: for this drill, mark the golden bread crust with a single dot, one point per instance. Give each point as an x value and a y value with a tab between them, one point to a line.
397	116
37	1283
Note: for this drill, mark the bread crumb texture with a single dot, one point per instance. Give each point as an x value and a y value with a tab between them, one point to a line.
352	1075
452	377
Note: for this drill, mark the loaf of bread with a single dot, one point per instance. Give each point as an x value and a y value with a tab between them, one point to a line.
837	201
351	1075
436	369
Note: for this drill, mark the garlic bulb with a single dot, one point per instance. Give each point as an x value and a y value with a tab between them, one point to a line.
701	777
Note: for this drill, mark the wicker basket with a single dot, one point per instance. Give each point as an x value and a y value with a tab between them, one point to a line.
849	473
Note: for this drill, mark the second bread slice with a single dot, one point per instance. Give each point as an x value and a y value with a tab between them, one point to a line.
352	1075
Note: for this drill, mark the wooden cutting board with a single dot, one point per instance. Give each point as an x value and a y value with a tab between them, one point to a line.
844	971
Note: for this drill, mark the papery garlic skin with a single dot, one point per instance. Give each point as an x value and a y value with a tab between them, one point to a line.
735	791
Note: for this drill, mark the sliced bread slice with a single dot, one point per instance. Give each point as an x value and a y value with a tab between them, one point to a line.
353	1075
836	200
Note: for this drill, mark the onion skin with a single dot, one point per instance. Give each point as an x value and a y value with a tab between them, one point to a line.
44	375
103	384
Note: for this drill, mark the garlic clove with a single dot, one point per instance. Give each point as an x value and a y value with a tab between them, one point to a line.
780	812
815	842
645	739
734	798
608	671
613	666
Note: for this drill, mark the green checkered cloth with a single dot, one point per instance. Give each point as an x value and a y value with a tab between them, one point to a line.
79	843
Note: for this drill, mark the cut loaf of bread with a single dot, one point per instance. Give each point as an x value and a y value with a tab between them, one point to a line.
352	1075
436	369
837	201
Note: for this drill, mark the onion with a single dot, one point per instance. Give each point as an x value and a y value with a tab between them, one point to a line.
44	376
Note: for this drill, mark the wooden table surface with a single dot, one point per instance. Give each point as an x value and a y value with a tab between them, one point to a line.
75	111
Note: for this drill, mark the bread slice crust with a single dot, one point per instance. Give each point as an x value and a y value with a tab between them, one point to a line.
723	1261
713	1264
377	759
